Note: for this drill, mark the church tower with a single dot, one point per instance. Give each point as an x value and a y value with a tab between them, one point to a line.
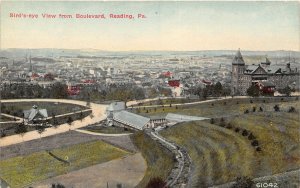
238	67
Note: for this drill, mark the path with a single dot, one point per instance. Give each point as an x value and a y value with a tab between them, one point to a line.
128	171
98	111
102	134
129	104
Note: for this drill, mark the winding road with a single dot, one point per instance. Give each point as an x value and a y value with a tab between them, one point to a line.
98	111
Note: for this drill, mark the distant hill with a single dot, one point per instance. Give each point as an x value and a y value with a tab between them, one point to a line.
49	53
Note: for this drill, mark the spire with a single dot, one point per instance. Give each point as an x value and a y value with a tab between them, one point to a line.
268	62
30	65
238	58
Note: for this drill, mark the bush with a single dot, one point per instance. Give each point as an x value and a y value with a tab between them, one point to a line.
254	143
176	107
251	136
3	134
212	121
264	101
258	149
246	111
237	102
229	126
212	104
245	132
276	108
260	109
237	130
253	109
292	109
156	183
251	101
222	122
225	103
243	182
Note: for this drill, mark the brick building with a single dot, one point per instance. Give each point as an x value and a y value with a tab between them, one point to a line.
277	77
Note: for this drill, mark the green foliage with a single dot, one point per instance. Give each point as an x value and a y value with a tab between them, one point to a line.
253	91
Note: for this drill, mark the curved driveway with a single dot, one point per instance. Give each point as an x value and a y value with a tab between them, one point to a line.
98	111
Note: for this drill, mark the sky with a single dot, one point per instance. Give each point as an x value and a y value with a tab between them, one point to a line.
178	26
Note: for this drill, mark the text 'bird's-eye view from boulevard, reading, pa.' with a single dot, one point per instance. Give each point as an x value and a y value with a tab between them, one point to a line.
149	94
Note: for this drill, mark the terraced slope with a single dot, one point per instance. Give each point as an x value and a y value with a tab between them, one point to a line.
220	154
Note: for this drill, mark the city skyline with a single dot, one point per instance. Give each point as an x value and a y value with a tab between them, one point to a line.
168	26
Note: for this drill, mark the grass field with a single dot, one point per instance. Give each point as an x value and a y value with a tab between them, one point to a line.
228	107
220	154
56	108
108	129
159	161
21	171
167	101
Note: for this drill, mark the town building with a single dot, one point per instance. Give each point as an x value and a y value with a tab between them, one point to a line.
265	75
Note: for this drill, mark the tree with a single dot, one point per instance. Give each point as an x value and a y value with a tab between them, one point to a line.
218	89
287	91
21	129
70	120
40	130
54	121
59	90
156	183
253	91
276	108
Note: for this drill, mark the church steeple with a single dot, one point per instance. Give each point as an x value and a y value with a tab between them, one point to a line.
30	65
238	58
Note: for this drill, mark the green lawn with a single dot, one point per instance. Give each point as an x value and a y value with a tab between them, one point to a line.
220	154
159	161
22	171
226	107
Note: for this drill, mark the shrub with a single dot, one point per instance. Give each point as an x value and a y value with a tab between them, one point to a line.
253	109
246	111
276	108
260	109
237	102
254	143
243	182
170	105
245	132
212	104
229	126
222	122
251	101
147	111
237	130
176	107
212	121
156	183
292	109
251	136
264	101
225	103
3	134
258	149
